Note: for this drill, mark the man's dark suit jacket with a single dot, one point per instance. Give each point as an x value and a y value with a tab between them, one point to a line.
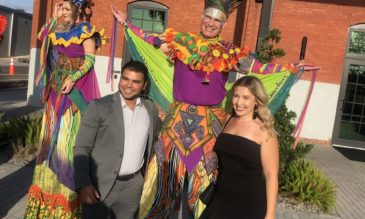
99	143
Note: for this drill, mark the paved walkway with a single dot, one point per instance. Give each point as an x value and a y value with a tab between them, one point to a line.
14	184
347	176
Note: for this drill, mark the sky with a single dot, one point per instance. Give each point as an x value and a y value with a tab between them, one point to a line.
26	5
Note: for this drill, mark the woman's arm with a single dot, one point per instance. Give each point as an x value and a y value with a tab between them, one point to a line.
89	48
51	24
270	164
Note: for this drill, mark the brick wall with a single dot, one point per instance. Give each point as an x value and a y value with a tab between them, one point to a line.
41	12
326	26
183	15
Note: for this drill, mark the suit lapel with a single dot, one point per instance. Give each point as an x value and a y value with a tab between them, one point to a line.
118	115
151	126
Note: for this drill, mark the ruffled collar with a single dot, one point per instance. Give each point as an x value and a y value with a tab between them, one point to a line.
203	54
76	35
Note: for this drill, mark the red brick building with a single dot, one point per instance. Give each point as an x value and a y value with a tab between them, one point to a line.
334	29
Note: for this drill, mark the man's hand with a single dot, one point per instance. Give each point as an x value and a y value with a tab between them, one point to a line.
305	67
89	195
162	114
311	68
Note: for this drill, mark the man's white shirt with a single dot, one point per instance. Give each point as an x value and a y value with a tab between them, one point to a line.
136	126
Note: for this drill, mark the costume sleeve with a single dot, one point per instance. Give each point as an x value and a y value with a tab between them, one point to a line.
84	68
248	63
87	32
45	66
153	39
269	68
47	29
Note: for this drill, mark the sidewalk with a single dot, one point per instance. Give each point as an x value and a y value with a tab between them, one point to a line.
348	177
14	183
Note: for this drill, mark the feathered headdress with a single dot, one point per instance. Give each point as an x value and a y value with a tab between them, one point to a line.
225	6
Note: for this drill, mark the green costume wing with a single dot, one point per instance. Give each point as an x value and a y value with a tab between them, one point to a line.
160	69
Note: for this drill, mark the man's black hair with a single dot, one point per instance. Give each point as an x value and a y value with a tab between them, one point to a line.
137	66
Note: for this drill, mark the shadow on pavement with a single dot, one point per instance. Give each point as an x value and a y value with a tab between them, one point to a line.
14	187
352	154
21	111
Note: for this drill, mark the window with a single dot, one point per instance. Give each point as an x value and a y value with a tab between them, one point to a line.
349	127
147	15
150	20
357	40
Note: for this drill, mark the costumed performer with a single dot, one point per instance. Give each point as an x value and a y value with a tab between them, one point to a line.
68	82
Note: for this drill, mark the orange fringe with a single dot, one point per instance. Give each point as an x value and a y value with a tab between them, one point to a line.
53	200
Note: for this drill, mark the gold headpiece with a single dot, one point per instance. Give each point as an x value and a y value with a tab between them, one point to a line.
220	9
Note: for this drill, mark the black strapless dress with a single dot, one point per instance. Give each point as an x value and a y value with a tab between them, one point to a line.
241	189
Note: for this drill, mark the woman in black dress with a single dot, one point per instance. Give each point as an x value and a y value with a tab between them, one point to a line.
247	149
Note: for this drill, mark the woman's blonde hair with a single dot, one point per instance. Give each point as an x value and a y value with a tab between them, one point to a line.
262	112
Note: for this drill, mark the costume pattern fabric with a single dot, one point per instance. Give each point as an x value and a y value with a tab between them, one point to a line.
52	193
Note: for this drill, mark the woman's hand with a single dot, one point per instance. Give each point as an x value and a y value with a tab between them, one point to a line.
118	15
57	12
67	86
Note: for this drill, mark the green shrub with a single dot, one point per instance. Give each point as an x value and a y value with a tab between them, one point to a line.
2	128
297	176
266	50
285	128
307	183
22	131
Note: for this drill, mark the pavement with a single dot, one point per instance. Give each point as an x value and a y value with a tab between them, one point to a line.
13	103
345	167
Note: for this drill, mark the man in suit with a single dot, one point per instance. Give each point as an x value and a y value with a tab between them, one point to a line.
113	146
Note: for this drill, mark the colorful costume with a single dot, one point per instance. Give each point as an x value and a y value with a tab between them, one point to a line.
195	117
52	194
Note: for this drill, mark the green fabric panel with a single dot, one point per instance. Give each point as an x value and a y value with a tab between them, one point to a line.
226	103
160	69
282	95
277	86
77	98
85	68
154	92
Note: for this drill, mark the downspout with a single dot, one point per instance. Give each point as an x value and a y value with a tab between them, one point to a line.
265	19
11	26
